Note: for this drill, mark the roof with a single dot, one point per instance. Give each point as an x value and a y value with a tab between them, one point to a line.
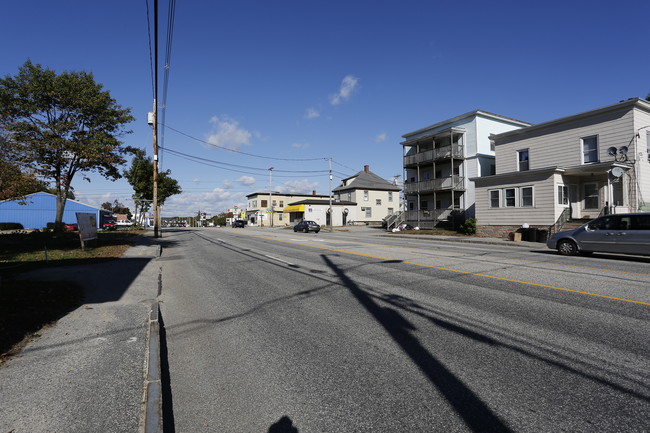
367	180
323	202
629	103
465	116
266	193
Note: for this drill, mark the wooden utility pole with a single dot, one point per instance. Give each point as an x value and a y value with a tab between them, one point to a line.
155	123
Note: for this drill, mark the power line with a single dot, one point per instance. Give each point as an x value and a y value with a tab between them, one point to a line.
221	165
239	151
150	49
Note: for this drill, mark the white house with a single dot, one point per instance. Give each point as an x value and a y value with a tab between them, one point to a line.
575	167
439	160
373	197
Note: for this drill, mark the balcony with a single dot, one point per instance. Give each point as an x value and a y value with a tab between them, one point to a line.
453	183
434	218
444	153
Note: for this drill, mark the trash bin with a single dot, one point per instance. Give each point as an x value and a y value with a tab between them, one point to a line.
524	233
532	234
542	235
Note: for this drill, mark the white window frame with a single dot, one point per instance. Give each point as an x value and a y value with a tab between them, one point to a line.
368	212
563	195
597	196
583	143
506	198
378	202
390	196
498	197
532	196
365	195
519	161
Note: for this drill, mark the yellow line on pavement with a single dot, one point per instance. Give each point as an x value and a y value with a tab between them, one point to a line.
458	271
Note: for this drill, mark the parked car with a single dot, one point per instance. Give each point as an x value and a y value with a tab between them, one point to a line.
618	233
239	223
70	227
109	225
306	226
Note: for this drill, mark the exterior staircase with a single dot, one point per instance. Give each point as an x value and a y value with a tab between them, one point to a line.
392	221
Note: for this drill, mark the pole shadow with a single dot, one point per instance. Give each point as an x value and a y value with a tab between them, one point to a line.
474	412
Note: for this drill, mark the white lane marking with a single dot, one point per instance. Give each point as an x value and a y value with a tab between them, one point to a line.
279	260
132	340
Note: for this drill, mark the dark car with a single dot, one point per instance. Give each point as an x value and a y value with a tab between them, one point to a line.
306	226
239	223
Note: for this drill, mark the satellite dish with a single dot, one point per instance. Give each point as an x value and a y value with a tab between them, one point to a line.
622	150
617	172
611	151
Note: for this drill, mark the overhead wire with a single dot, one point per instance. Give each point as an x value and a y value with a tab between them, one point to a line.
153	91
171	14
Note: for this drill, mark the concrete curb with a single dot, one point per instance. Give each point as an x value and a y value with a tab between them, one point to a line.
153	416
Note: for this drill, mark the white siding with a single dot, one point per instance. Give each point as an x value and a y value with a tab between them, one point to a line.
560	145
642	156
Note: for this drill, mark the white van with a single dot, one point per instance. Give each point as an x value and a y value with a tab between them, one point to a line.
618	233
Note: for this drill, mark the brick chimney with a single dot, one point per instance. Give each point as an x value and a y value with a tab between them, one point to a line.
313	192
366	168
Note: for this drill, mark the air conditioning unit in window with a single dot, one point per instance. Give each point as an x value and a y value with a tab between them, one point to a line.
363	209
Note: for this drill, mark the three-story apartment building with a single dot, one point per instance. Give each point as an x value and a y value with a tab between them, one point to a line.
440	159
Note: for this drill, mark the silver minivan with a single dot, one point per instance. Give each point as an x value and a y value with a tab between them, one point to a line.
618	233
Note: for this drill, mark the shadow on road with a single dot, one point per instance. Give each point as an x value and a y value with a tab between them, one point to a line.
474	412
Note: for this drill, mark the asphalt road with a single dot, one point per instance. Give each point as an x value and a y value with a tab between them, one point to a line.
353	332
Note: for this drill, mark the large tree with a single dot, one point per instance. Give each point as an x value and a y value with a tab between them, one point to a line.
140	176
62	125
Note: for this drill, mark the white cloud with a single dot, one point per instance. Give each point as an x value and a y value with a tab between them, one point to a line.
381	137
246	180
348	85
297	187
300	145
228	134
228	184
213	202
311	113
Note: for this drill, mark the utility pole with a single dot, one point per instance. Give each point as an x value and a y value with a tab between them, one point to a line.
331	215
155	123
271	193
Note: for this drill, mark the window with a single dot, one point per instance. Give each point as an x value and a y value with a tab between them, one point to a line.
365	195
254	203
368	212
427	175
563	195
591	196
279	216
495	198
522	160
281	203
510	197
526	195
590	149
378	202
390	196
264	203
349	196
390	211
274	203
424	205
492	146
617	193
411	205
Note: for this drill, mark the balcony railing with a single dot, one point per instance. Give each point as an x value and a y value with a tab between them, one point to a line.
432	218
455	183
447	152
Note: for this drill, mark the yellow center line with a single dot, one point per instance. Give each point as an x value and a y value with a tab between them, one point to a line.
456	271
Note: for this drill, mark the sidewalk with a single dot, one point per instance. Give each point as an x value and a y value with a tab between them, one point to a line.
87	372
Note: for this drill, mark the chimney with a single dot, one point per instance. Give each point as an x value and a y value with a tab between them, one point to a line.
313	192
366	168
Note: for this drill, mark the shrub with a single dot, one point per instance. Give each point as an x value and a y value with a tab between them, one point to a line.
11	226
468	227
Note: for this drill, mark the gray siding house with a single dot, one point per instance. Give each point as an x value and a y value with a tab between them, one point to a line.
575	167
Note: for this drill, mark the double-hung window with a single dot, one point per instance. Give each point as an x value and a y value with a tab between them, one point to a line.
563	195
510	197
365	195
590	149
522	160
495	198
526	196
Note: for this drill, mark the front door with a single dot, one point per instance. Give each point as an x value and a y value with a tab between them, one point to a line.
574	202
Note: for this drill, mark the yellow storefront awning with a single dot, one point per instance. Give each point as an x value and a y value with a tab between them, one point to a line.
294	208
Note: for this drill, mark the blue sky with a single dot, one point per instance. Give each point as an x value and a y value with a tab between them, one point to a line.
288	84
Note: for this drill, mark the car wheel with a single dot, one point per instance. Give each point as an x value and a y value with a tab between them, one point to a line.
317	231
306	229
295	230
567	248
